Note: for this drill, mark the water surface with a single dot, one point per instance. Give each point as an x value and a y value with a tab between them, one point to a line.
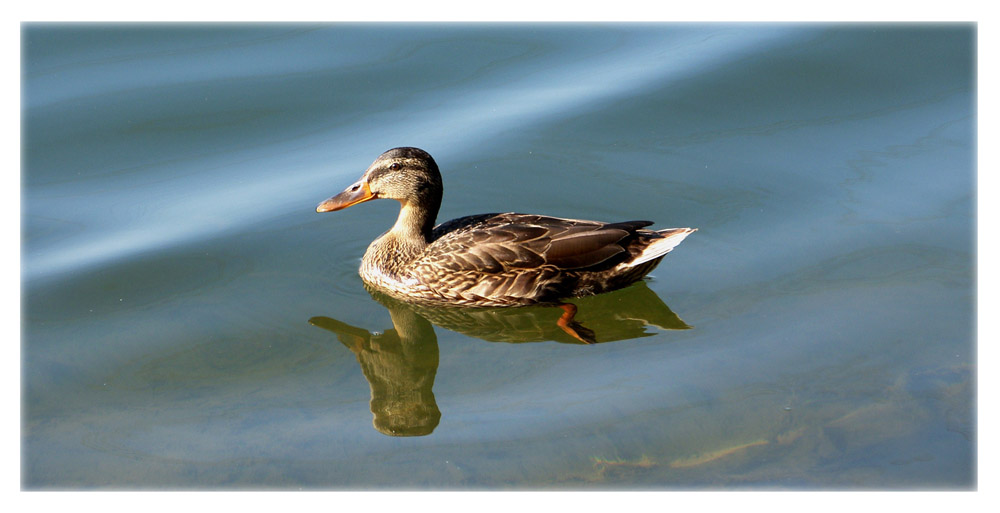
190	322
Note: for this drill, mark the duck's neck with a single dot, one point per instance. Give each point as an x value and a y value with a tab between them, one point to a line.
404	242
415	223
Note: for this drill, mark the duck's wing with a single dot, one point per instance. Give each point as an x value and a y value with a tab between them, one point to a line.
497	243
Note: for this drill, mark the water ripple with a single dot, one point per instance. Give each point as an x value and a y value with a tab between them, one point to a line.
179	198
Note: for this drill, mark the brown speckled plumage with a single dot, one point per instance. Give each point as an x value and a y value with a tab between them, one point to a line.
492	259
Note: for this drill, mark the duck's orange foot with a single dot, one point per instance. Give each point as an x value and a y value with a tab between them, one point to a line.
573	328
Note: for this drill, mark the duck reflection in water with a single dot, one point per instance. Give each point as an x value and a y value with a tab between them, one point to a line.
400	363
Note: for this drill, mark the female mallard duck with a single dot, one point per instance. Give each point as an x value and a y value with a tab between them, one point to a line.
491	259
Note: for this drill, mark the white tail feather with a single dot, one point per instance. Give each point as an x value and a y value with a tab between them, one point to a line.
672	237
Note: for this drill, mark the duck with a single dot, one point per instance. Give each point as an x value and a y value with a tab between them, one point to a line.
496	259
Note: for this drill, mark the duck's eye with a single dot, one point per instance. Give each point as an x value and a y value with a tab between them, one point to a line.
395	166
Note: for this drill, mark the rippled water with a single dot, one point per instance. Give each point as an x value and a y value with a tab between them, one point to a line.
190	322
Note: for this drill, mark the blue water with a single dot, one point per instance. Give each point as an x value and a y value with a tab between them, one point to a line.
815	333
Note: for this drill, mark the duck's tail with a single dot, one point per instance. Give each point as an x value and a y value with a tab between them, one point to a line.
671	237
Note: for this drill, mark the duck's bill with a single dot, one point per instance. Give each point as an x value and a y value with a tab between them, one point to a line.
357	193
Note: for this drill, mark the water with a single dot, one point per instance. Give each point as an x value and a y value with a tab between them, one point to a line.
190	322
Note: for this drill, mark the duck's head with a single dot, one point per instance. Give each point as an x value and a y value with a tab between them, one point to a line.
408	175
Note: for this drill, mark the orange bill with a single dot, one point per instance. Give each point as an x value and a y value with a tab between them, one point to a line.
356	193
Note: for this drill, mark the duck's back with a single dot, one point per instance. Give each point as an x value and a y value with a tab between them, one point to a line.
516	259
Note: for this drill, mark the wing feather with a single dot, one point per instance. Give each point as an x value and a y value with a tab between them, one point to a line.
497	243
